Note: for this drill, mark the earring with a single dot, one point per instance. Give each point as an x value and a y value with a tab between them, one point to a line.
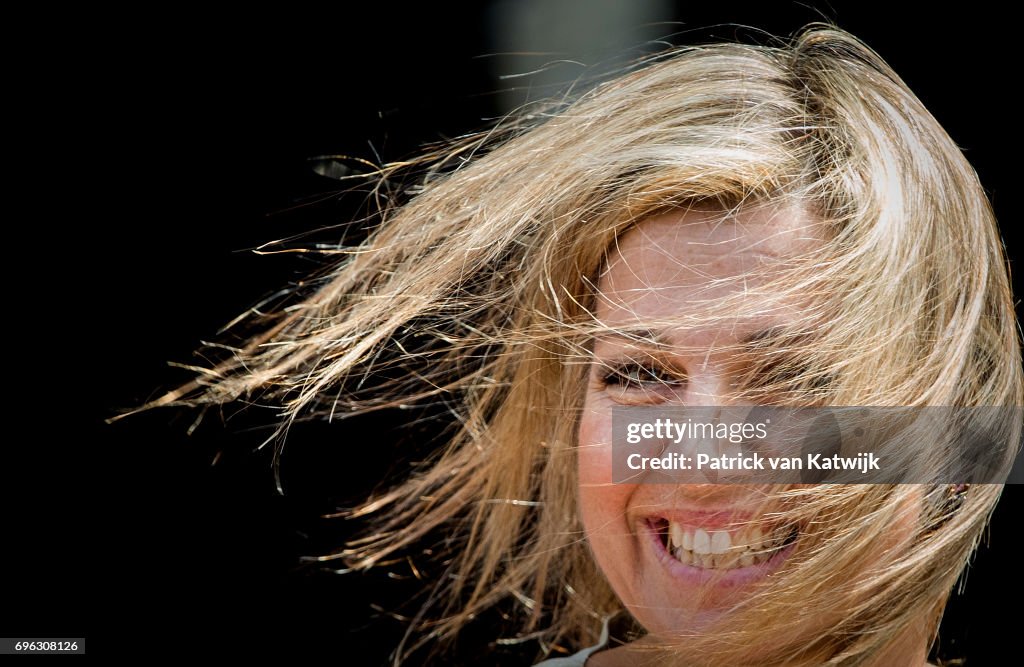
952	500
955	496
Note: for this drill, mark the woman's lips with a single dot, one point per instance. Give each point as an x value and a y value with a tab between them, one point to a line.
719	552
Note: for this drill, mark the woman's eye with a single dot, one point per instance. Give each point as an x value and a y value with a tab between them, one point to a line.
641	376
790	377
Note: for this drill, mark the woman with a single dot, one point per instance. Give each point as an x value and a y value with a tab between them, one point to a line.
727	224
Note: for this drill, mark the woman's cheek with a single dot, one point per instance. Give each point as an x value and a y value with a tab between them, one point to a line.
594	449
603	503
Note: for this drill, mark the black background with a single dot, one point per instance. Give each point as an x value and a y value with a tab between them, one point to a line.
164	148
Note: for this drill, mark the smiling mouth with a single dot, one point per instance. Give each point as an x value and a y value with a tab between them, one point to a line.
722	549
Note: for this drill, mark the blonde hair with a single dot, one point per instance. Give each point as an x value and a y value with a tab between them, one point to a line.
480	290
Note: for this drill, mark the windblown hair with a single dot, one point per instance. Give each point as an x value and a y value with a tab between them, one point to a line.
481	291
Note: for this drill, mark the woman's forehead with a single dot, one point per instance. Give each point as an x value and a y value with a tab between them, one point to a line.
697	240
681	261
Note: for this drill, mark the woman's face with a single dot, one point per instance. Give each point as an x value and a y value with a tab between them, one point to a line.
677	555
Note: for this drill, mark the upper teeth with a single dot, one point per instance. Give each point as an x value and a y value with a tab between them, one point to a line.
722	548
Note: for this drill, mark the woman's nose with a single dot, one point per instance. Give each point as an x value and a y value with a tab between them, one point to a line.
706	399
708	387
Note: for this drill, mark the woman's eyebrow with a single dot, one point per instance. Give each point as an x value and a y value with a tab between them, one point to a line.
660	339
766	335
655	338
